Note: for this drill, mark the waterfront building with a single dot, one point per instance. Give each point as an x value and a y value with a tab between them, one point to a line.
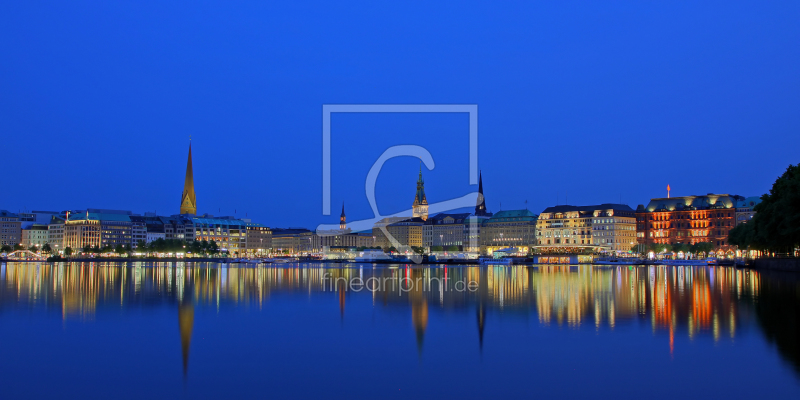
444	230
405	231
10	228
420	206
55	233
188	200
97	227
574	229
154	235
342	238
745	208
138	230
293	241
258	239
509	229
688	220
229	233
326	240
34	235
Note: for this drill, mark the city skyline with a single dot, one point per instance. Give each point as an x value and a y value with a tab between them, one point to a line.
687	101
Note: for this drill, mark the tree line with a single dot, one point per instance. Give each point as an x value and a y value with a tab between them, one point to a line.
157	246
775	227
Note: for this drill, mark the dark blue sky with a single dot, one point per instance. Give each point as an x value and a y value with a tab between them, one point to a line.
603	101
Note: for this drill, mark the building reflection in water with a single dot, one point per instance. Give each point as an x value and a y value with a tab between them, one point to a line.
679	300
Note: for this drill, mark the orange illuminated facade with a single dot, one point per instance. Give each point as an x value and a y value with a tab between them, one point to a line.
688	220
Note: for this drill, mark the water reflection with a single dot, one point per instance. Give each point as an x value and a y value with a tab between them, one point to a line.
687	301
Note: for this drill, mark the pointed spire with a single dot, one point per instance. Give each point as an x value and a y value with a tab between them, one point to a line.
480	207
342	219
420	206
188	201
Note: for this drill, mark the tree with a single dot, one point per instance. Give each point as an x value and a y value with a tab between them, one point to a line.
46	248
33	248
6	249
702	248
213	248
107	249
452	248
119	249
437	248
87	249
680	248
18	247
776	224
68	251
659	247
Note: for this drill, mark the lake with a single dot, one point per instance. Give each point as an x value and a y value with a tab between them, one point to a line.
311	330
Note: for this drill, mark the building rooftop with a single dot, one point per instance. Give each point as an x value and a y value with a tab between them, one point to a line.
708	201
512	215
457	218
604	206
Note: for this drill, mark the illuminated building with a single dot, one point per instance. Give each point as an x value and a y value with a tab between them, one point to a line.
338	240
420	206
259	239
35	235
10	228
55	233
573	228
688	220
293	240
228	232
97	227
509	229
444	230
405	231
188	201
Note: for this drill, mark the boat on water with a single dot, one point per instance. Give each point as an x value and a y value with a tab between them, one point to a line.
687	262
495	261
371	255
618	261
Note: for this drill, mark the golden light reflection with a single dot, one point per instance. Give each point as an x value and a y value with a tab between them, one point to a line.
692	300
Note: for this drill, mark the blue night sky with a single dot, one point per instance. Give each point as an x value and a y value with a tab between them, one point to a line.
600	100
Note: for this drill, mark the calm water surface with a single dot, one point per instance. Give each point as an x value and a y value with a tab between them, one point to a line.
200	330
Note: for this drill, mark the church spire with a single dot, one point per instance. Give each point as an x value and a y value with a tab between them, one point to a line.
420	207
342	219
188	201
480	207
